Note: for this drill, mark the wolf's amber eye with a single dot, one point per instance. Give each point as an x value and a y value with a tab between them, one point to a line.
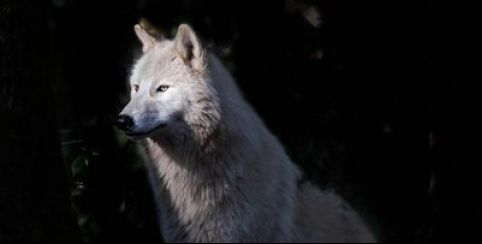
135	87
162	88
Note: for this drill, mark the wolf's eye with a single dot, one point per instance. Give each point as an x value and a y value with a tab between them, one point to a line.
135	87
162	88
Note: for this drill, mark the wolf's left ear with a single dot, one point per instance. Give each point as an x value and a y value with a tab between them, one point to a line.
189	48
148	41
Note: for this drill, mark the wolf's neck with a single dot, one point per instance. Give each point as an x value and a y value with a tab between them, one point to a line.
194	180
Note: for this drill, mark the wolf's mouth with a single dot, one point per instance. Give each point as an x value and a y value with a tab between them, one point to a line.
146	133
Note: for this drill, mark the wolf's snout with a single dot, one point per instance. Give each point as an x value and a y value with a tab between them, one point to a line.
124	122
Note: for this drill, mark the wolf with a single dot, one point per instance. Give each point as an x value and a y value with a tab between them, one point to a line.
216	171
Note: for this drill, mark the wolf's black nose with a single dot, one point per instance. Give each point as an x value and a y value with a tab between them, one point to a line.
124	122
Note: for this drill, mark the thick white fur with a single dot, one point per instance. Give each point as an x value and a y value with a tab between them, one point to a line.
217	173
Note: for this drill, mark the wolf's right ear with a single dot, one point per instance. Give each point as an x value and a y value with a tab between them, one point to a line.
189	47
148	41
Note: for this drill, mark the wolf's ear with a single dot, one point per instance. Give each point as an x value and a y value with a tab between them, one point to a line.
147	39
189	48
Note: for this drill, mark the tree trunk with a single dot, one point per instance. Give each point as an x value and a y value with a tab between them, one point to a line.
34	203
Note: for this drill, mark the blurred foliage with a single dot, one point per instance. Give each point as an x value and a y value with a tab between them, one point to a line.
110	192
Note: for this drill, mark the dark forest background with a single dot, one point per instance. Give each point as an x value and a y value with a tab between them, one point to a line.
379	100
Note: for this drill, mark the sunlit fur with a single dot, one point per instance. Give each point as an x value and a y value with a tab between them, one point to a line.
217	173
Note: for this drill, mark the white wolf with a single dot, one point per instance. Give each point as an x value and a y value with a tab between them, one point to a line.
217	173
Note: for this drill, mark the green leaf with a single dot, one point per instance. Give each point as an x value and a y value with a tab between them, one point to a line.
80	165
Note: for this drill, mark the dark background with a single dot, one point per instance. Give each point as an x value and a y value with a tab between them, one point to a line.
380	102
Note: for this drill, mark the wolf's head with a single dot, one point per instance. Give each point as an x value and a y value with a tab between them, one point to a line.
169	85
